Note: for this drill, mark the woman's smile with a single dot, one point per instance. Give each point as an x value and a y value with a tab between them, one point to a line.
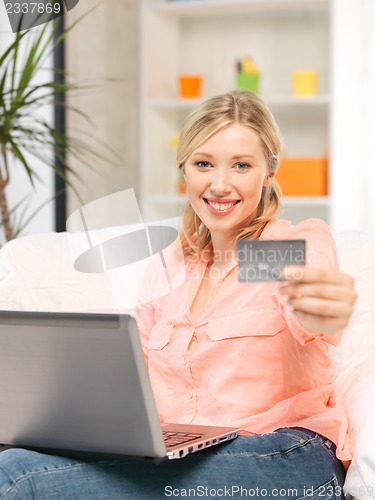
220	207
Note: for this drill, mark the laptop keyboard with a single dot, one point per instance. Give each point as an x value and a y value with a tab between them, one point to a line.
178	438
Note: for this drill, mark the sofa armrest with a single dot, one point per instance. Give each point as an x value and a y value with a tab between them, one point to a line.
355	361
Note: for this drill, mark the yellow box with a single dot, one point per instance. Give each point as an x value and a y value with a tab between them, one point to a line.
303	176
304	82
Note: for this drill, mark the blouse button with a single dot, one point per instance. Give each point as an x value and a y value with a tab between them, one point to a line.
191	394
185	360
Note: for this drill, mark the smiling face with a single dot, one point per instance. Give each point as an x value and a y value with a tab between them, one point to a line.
225	177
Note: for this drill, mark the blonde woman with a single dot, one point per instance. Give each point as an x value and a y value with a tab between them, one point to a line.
221	352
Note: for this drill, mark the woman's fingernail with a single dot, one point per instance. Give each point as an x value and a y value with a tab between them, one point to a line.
292	273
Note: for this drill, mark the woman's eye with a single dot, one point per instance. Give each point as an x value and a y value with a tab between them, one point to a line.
242	166
203	164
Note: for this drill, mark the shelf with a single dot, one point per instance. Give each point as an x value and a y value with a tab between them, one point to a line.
205	37
319	99
175	103
193	8
287	200
322	201
167	199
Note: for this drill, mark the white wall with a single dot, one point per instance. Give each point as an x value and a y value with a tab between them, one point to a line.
353	122
20	186
102	50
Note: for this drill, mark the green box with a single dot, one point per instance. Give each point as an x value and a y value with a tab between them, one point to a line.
248	81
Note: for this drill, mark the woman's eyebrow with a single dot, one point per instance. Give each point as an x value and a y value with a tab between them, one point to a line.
202	153
234	157
243	157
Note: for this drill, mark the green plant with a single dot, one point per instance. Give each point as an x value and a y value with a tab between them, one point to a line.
24	133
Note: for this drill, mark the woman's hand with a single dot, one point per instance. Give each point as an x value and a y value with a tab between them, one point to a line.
322	299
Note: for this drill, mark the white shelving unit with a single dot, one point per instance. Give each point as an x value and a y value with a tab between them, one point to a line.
206	37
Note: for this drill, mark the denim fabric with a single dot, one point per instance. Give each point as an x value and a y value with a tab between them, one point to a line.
289	463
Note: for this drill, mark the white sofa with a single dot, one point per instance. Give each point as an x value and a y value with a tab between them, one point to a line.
37	273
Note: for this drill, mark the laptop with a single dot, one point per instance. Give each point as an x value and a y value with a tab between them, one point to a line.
78	383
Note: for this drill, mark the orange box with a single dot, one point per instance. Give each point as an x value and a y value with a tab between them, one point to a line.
189	85
303	176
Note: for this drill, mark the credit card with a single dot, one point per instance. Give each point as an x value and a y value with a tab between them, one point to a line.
264	260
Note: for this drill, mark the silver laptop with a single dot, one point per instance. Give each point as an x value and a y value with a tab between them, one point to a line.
78	383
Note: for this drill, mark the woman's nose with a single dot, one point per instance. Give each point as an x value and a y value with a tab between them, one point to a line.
220	182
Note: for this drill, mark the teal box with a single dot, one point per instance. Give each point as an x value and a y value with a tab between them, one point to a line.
248	81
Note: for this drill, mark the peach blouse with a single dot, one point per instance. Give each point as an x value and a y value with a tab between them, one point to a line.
246	362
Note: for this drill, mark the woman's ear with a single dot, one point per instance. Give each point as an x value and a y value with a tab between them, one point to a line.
267	181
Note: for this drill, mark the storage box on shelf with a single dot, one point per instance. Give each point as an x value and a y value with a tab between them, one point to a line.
206	37
303	176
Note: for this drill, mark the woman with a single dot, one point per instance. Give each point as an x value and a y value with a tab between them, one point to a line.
249	355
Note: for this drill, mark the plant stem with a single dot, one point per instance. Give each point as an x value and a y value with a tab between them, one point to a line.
4	209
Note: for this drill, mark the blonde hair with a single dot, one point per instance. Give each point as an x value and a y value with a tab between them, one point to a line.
244	108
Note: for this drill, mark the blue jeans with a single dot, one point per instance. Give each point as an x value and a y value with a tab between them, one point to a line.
288	463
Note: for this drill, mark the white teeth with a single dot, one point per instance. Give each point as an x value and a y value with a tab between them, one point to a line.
221	206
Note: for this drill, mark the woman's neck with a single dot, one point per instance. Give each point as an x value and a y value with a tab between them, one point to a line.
224	250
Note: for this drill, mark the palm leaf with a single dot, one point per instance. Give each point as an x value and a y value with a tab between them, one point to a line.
2	87
21	218
12	48
23	131
24	219
18	154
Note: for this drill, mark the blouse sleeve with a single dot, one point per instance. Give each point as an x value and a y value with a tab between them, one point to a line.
320	252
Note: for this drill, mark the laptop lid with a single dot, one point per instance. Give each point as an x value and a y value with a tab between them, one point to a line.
79	382
76	382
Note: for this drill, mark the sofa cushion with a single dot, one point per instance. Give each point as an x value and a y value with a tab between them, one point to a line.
39	272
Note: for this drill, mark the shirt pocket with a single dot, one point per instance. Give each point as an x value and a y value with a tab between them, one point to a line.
160	337
244	361
161	375
256	322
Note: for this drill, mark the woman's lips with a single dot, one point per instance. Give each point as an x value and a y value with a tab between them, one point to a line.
220	207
